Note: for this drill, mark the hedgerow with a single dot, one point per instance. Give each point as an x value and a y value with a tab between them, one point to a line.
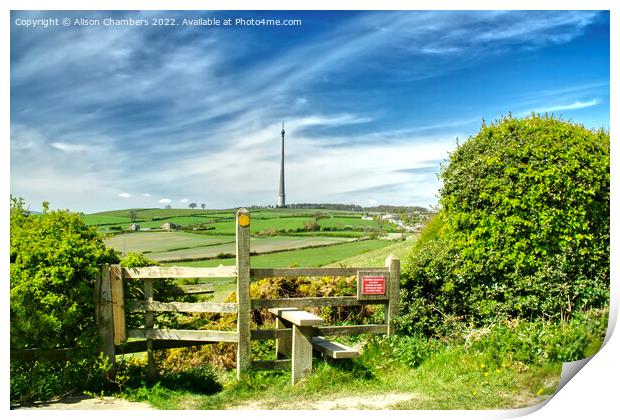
523	231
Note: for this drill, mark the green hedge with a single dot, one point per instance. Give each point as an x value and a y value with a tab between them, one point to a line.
524	228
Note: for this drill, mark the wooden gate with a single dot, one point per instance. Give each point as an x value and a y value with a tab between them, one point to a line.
376	285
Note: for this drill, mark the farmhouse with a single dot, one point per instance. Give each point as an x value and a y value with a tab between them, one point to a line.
135	227
170	226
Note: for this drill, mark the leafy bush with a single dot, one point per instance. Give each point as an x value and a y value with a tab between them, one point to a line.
55	258
541	341
41	381
524	230
515	342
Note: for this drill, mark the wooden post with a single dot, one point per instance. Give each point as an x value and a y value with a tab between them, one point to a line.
391	309
118	304
302	352
103	314
243	291
149	324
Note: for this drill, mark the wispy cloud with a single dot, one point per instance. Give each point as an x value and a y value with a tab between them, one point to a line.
192	113
569	106
124	195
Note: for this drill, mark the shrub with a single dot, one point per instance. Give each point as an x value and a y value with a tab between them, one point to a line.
312	225
54	258
524	230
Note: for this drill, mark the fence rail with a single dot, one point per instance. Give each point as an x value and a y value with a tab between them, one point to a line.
310	272
178	272
212	307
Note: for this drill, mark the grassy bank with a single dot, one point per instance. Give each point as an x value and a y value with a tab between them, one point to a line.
512	364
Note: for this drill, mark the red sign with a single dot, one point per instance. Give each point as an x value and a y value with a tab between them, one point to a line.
373	285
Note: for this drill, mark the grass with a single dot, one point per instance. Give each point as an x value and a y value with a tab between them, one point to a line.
223	221
162	241
452	378
377	257
182	246
311	257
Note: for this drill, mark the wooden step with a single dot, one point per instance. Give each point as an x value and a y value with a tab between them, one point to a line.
333	349
297	316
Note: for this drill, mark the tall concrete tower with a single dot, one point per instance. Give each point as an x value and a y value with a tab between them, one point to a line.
281	196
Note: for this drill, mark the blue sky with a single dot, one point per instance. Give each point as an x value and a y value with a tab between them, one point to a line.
120	117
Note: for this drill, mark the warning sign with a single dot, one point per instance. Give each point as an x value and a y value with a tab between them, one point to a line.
373	285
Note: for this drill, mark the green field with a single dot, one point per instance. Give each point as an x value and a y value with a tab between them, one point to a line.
258	245
222	222
162	241
377	257
178	246
311	257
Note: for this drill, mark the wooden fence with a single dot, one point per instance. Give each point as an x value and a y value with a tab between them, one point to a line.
376	285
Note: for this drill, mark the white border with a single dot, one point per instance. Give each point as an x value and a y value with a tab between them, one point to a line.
592	393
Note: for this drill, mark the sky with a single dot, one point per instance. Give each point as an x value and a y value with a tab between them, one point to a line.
109	117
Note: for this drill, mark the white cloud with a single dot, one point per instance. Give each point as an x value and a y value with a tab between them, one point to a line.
165	201
184	200
146	194
124	195
372	202
66	147
569	106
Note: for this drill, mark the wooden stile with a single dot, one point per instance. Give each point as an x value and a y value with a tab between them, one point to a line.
296	332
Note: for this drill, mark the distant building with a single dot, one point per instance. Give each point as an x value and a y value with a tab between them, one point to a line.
170	226
135	227
366	217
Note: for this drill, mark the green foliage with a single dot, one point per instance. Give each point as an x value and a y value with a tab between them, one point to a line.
55	258
505	342
32	381
409	351
164	290
524	230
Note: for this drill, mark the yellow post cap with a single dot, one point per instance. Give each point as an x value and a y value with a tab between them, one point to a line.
244	220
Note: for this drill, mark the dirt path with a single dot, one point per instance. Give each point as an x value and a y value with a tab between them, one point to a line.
83	402
355	402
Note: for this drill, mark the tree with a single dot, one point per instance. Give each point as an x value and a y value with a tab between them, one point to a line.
192	205
168	207
203	205
132	215
524	227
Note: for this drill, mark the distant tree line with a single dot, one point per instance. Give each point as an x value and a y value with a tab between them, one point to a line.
357	207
